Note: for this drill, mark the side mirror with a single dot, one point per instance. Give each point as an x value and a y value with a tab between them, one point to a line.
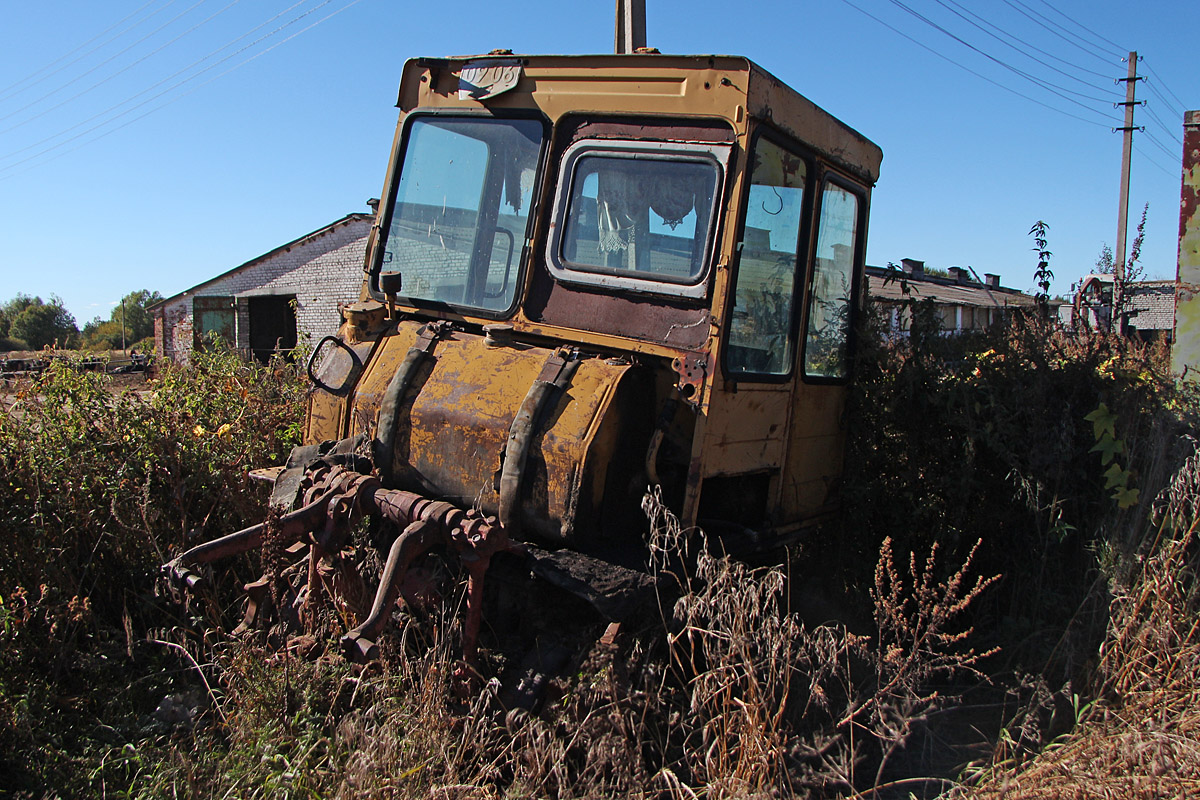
390	283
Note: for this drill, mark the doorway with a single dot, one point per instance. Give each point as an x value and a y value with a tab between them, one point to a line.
272	325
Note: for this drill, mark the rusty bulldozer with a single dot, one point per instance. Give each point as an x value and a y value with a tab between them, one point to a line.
588	275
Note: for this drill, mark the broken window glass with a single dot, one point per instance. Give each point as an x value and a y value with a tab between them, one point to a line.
460	209
650	217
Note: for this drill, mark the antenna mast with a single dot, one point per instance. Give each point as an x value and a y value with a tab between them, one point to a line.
631	25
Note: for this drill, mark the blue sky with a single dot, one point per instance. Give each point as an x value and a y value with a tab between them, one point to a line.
201	176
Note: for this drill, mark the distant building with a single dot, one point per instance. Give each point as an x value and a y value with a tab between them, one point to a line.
962	301
271	301
1148	309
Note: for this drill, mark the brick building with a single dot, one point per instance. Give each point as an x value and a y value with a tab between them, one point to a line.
1147	310
962	302
292	292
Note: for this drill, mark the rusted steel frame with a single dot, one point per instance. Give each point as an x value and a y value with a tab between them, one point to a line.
338	496
427	523
333	487
555	374
397	391
292	527
417	539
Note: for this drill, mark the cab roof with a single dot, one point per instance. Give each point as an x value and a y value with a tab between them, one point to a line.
733	88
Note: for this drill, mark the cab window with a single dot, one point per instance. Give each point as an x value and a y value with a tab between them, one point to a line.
459	211
760	331
637	215
827	340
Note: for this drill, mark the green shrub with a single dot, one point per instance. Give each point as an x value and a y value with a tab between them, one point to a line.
993	437
97	488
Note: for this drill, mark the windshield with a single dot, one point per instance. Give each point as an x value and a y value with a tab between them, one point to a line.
460	210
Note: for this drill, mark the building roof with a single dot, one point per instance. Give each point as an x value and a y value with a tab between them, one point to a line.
318	233
942	290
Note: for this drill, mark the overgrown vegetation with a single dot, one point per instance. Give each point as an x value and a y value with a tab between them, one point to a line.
1019	536
98	486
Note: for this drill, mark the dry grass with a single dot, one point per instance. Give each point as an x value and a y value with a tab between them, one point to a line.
1141	738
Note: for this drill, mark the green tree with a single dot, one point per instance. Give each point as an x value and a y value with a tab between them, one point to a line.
138	322
10	310
41	324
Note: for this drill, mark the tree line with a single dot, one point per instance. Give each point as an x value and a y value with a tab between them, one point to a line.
31	323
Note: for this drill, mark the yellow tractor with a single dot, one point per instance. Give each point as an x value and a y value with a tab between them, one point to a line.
589	275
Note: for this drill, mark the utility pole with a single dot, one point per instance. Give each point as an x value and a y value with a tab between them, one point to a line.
1185	350
1123	204
631	25
122	325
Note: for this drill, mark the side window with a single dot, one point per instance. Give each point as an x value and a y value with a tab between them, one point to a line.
826	351
760	331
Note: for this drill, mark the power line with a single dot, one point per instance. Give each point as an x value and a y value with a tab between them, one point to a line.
1175	136
177	85
1084	27
118	54
124	69
1050	87
6	94
1182	105
1026	44
175	74
1155	162
1154	140
77	48
965	68
1175	109
1040	22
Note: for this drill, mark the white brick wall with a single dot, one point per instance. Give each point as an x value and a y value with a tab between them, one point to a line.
322	270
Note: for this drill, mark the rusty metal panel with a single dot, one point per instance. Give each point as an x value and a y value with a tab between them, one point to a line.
1185	354
624	315
454	428
745	431
815	450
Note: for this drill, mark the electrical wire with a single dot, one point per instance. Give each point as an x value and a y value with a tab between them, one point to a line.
173	75
124	69
116	36
1020	10
1181	107
1050	87
108	60
1176	109
965	68
191	91
1084	27
1165	150
1155	162
1166	128
77	48
1022	52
